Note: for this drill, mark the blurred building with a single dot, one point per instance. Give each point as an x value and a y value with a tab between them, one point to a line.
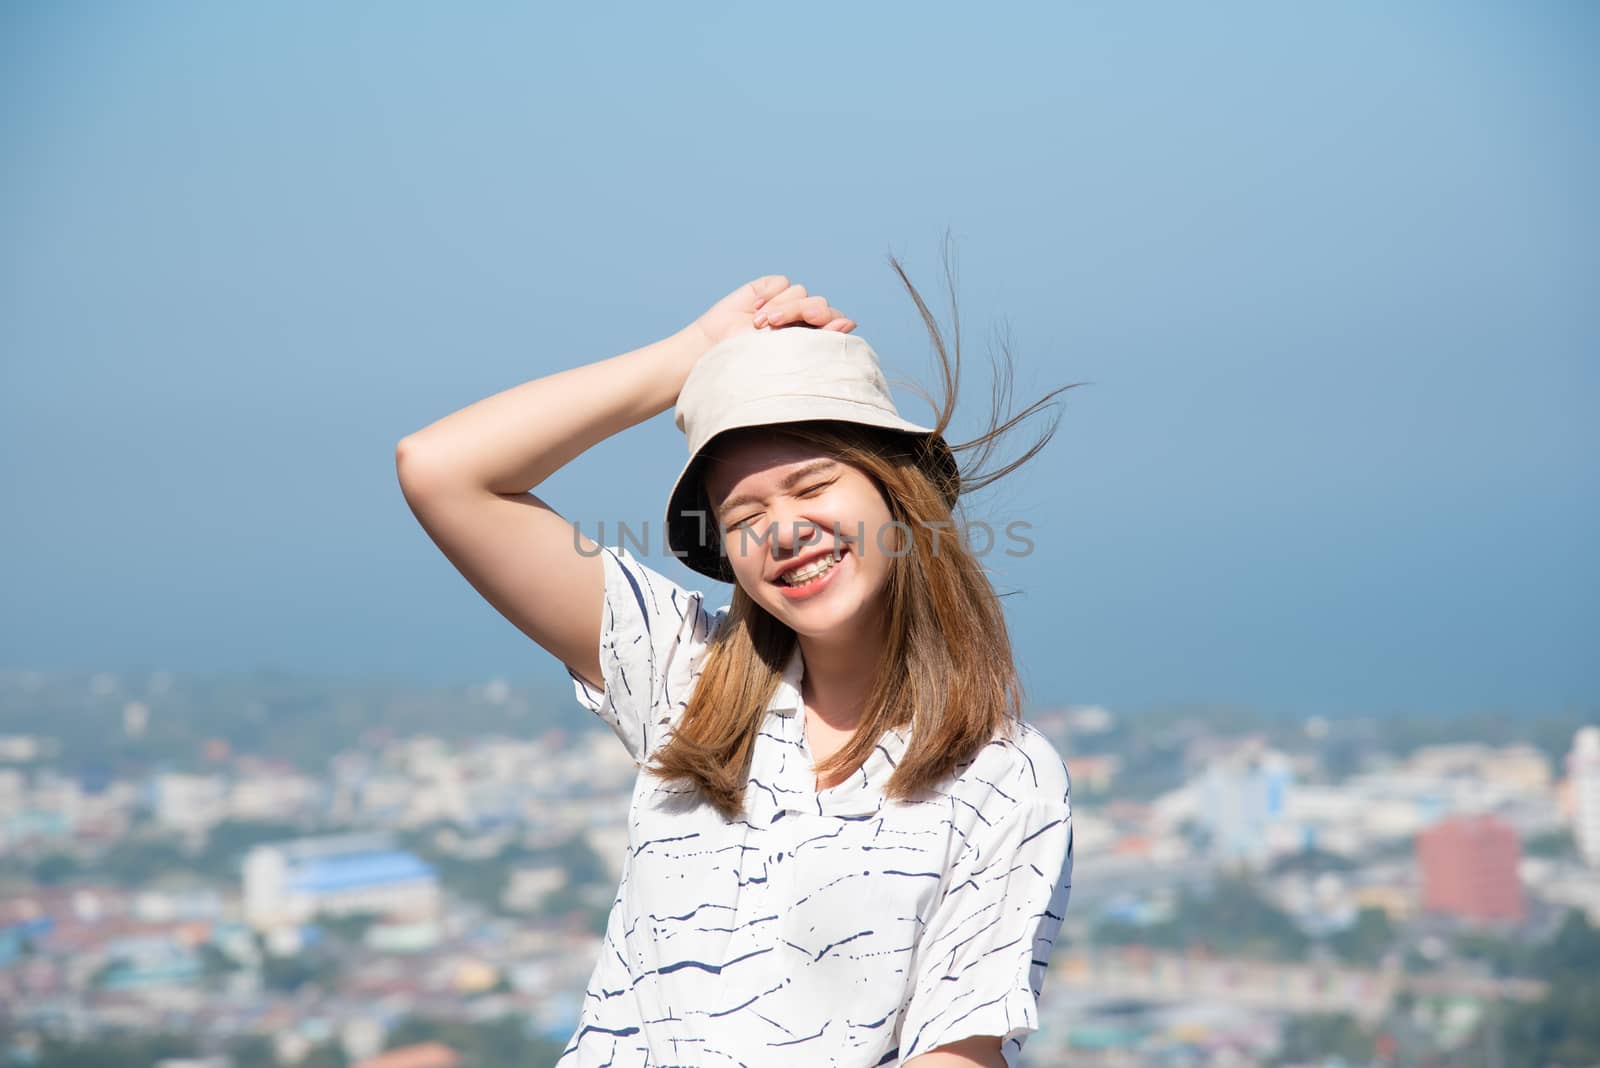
1242	799
422	1055
1518	769
1094	773
271	794
191	803
289	883
1469	869
1583	778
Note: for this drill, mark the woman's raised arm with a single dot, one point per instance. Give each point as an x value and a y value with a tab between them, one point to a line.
467	476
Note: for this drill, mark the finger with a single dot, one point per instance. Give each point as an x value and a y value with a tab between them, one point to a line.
811	310
815	310
768	286
781	308
829	314
841	325
788	296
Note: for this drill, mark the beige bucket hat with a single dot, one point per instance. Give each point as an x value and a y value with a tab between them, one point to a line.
767	377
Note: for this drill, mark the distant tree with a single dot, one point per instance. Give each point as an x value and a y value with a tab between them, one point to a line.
251	1051
352	927
55	869
227	844
131	1051
483	879
214	962
1167	935
1573	952
103	974
1561	1030
1317	1038
1367	940
1231	917
1235	917
288	974
327	1055
1557	843
135	862
1313	861
1501	955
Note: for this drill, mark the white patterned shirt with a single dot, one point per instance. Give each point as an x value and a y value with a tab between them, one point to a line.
825	928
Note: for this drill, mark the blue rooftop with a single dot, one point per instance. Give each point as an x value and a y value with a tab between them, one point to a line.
326	874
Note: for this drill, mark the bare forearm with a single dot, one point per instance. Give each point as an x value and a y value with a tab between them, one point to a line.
512	441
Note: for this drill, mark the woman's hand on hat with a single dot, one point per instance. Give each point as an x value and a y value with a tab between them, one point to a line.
769	302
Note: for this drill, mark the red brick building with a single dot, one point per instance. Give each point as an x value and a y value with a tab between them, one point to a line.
422	1055
1469	869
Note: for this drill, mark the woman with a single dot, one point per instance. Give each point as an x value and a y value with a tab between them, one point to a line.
849	849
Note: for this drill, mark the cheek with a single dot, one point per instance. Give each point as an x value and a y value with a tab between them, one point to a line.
746	557
871	521
884	542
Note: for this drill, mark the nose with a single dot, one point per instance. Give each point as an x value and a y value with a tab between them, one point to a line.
794	533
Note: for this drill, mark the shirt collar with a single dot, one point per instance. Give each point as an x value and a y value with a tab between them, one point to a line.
786	700
792	781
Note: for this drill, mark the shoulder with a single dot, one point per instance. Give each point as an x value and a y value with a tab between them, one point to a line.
650	588
1017	768
642	597
654	637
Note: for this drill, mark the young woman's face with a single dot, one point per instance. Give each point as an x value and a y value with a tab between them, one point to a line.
784	509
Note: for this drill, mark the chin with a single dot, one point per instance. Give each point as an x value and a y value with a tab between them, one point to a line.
820	620
818	624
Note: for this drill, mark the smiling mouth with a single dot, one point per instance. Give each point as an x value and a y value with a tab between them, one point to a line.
810	574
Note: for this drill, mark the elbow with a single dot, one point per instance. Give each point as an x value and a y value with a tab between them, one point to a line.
412	466
405	450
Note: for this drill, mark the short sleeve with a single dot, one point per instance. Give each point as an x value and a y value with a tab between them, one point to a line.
653	634
980	963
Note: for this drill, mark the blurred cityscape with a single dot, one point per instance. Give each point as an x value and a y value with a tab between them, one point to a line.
260	871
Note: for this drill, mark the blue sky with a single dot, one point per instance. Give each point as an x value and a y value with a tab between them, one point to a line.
1330	273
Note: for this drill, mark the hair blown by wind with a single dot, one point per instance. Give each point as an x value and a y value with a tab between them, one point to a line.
947	673
975	475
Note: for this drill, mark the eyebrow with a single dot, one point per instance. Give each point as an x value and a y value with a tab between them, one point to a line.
788	482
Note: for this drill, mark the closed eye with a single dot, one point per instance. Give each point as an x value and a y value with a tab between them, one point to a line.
810	491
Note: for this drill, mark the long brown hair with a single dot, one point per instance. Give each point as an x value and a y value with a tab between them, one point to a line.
947	671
